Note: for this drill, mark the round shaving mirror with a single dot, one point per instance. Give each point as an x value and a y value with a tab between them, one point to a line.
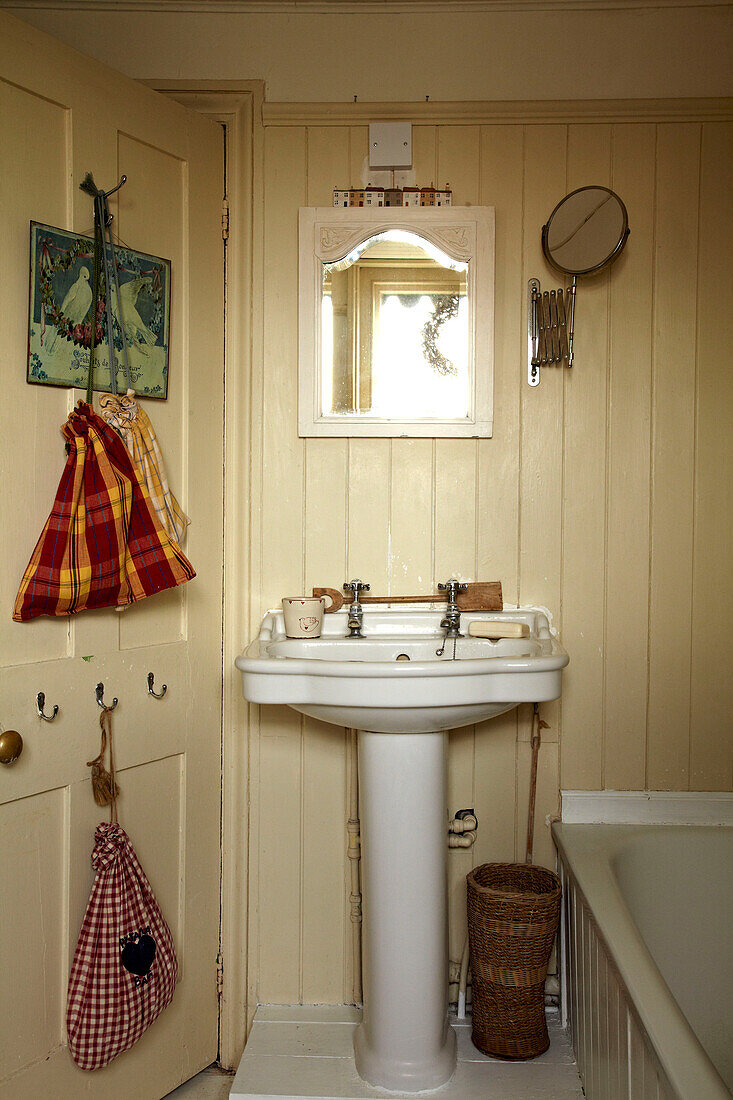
586	231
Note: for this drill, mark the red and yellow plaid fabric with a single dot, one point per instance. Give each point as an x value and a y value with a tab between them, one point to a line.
132	423
102	545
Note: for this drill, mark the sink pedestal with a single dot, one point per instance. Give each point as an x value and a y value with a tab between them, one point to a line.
404	1042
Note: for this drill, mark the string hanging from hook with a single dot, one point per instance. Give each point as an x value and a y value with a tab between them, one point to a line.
104	785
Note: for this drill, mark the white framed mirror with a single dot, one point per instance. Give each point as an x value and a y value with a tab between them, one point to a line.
396	321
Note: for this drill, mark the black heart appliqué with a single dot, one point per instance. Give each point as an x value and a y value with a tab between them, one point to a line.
138	952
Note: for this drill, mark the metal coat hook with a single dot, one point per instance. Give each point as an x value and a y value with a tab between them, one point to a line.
41	703
99	692
155	694
90	188
123	179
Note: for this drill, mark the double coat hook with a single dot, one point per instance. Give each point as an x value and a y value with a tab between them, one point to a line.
99	692
40	706
155	694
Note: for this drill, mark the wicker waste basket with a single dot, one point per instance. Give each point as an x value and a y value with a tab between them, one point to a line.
513	912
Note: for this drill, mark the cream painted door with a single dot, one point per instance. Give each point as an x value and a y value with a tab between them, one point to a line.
61	115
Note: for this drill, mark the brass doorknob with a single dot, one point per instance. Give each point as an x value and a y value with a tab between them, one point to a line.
11	746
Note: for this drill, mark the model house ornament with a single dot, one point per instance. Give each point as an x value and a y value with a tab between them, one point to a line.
410	196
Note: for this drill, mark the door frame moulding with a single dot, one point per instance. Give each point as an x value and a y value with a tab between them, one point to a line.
238	106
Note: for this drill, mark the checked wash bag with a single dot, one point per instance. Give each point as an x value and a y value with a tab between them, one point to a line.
125	969
102	545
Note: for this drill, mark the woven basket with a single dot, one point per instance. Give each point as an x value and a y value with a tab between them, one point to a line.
513	912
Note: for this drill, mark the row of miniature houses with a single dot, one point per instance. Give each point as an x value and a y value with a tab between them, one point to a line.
393	196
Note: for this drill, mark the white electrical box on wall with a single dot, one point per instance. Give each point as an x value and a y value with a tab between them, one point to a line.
390	144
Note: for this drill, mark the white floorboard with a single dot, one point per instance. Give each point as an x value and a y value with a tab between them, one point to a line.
306	1053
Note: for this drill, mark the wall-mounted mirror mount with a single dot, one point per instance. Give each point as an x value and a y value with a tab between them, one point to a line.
396	321
584	234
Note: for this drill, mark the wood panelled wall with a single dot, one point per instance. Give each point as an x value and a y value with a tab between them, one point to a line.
605	495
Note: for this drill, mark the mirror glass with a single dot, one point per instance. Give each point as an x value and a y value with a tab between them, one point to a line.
585	231
395	331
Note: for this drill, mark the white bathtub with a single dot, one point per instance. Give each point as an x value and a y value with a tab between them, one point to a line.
648	939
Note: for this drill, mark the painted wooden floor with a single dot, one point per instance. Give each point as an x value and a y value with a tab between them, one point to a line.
211	1084
307	1052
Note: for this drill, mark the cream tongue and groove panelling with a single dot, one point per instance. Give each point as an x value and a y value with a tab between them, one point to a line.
590	495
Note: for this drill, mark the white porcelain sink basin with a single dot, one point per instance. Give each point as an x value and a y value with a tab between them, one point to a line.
394	680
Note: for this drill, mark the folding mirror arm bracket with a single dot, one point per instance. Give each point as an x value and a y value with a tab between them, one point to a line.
571	326
550	328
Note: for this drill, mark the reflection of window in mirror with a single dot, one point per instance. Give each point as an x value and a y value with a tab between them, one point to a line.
395	331
396	322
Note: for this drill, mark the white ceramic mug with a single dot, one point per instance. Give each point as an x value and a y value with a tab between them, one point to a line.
304	616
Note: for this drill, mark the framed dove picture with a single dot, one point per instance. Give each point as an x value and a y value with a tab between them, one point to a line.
60	315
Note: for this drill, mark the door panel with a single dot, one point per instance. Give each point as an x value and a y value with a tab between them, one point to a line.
33	971
34	186
62	115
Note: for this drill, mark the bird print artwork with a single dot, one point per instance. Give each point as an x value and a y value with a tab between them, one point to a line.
76	303
64	321
137	333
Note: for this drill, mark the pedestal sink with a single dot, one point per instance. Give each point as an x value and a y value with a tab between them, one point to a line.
402	689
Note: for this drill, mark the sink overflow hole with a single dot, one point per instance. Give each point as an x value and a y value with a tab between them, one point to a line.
402	657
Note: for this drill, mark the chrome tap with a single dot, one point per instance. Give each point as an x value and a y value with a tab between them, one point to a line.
356	611
452	621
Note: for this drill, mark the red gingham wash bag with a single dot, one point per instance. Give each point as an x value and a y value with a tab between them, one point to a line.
125	968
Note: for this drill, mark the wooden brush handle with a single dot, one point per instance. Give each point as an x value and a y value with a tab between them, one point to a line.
479	596
337	598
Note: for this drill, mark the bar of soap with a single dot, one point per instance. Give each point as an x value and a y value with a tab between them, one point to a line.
480	628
